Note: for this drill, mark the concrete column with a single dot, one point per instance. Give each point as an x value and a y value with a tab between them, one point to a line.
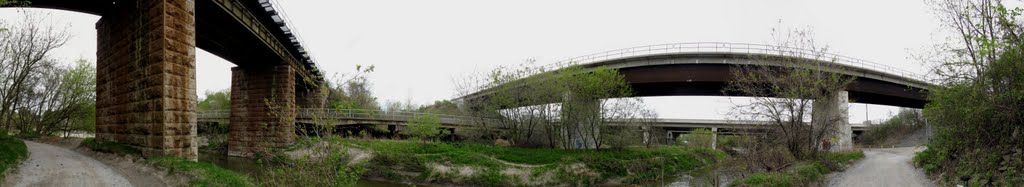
714	137
578	120
262	109
145	77
834	110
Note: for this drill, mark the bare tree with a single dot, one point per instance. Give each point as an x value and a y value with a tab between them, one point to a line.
783	88
24	54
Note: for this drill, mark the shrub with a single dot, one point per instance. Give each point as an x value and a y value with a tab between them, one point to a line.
12	152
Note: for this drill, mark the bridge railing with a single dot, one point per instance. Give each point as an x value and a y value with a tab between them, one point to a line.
328	114
724	47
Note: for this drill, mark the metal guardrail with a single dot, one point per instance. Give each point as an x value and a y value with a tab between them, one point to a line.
724	47
328	114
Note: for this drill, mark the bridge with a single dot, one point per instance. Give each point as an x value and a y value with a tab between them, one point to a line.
146	81
398	120
705	69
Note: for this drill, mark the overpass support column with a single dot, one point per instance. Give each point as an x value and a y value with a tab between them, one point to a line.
262	109
714	137
832	111
581	122
145	77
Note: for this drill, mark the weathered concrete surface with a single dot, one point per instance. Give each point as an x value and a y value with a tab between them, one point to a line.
145	73
833	111
883	167
49	165
262	109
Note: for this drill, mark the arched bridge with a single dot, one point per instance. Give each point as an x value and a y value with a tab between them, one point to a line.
146	80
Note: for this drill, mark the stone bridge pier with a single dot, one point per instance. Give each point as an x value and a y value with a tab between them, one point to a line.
145	77
262	109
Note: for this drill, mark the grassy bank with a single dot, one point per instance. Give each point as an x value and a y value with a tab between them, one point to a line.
200	174
803	173
475	164
12	152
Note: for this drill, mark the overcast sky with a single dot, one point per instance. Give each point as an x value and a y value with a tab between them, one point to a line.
420	48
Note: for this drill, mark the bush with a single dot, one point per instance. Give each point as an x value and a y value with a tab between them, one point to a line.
699	138
12	152
803	173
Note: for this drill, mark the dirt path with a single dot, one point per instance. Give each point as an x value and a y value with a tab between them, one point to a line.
49	165
883	167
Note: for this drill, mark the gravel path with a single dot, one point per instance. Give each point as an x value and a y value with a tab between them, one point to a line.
49	165
883	167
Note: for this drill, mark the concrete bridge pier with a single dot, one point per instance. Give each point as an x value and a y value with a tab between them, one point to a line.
833	111
145	77
262	109
580	126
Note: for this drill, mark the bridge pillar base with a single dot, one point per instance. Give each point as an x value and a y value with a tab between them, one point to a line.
833	111
580	130
262	109
145	77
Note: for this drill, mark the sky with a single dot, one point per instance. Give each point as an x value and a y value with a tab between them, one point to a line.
422	48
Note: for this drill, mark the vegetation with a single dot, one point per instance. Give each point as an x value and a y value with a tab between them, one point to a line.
201	174
213	101
978	112
702	138
425	127
39	96
893	129
801	174
564	108
12	152
477	164
110	147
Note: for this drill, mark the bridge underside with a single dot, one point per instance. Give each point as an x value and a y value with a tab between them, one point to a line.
146	71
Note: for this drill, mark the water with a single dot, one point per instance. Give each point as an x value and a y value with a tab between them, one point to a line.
251	168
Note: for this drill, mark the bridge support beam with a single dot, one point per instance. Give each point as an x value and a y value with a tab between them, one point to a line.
262	109
833	111
145	77
581	122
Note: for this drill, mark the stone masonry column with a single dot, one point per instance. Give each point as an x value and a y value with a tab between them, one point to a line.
262	109
145	77
834	110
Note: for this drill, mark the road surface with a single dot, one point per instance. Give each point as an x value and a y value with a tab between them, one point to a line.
883	167
49	165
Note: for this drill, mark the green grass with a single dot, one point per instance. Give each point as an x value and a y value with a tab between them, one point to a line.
12	152
803	173
634	164
202	174
110	147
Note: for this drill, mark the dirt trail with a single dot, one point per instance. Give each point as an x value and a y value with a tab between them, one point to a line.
883	167
49	165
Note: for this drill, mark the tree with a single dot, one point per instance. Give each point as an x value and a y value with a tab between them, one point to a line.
783	94
978	112
425	127
213	101
563	107
27	76
352	91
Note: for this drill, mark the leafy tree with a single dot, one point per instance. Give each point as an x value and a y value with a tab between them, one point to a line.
425	127
978	112
213	101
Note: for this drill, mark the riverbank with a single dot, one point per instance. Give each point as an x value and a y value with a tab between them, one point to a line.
803	173
440	163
